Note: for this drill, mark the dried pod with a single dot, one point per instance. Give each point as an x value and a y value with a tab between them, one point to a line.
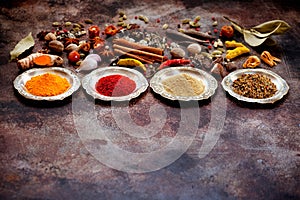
67	24
194	24
215	23
144	18
88	21
251	62
56	24
165	26
185	21
72	47
49	37
269	59
56	46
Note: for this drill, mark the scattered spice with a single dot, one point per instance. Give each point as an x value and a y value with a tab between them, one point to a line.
256	86
47	85
115	85
183	85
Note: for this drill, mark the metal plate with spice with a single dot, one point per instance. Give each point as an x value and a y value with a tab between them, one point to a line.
90	80
281	85
209	82
20	81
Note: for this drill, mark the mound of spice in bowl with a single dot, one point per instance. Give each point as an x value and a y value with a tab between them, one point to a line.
183	85
257	86
47	84
115	85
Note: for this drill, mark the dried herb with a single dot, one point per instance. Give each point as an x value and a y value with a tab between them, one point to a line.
257	35
256	86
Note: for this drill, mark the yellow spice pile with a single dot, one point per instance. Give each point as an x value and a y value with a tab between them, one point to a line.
183	85
47	85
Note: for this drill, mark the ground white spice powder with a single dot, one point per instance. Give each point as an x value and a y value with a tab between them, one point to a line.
183	85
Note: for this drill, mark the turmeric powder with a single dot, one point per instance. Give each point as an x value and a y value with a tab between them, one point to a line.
47	85
239	49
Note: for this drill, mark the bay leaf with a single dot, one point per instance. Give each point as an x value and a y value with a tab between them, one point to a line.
252	40
269	26
266	34
23	45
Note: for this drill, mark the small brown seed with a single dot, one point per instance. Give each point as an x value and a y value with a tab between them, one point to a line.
55	24
88	21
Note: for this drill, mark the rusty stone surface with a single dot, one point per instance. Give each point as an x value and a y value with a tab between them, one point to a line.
43	156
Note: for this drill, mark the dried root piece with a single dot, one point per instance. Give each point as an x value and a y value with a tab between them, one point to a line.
39	59
239	49
269	59
251	62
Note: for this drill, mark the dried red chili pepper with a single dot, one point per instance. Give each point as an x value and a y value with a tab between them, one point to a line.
174	62
115	85
111	30
94	31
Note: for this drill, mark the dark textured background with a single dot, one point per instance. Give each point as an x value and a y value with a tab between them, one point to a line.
42	156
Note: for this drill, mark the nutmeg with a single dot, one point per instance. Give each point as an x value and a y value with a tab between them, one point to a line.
49	37
56	46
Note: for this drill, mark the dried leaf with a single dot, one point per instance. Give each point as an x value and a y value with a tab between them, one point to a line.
263	35
271	25
252	40
259	34
23	45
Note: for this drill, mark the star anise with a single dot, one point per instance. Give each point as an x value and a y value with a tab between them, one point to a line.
68	41
107	53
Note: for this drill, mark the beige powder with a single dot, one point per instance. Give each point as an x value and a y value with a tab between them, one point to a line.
183	85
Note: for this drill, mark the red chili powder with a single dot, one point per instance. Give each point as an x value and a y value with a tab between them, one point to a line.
115	85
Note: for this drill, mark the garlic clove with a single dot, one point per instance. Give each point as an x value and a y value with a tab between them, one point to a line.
94	56
87	64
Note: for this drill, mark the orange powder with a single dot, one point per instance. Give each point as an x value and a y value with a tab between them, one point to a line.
47	85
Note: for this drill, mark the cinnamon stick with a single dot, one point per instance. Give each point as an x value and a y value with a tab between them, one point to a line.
150	56
138	46
133	56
